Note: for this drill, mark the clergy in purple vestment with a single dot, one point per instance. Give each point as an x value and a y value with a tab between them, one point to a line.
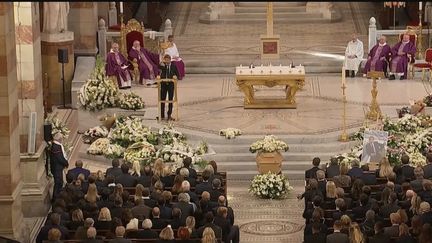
117	65
148	63
400	55
378	57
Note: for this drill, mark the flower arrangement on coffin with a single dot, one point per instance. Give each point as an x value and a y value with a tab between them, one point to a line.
140	154
409	123
268	144
230	132
99	91
128	130
99	146
130	101
94	133
114	151
270	185
168	133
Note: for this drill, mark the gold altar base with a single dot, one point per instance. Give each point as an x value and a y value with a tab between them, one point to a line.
269	104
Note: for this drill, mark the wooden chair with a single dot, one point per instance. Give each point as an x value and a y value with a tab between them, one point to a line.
427	66
411	59
129	33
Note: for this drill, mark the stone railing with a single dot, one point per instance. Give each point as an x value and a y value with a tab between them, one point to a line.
105	36
375	34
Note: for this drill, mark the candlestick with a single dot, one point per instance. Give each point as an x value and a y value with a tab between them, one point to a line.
420	6
121	7
343	76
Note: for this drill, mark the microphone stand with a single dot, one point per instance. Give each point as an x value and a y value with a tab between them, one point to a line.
251	64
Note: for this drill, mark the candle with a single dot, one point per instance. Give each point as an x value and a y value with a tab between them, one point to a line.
121	7
420	6
343	76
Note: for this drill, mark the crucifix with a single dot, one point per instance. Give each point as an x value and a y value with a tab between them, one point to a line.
270	19
270	42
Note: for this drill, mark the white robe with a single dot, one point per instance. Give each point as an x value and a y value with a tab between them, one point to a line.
173	52
353	48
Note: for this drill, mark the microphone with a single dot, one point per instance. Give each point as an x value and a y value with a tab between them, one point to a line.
251	64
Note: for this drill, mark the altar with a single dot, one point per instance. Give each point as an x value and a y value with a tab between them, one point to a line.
292	78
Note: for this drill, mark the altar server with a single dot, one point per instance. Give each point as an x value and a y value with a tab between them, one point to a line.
353	56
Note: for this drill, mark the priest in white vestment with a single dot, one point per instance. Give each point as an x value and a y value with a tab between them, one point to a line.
353	56
175	57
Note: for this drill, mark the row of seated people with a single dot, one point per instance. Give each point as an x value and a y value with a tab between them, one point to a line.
393	211
114	206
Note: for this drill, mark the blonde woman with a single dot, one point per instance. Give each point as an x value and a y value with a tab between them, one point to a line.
346	223
355	234
92	194
343	180
330	190
415	204
158	167
138	191
190	225
385	170
167	234
77	219
208	236
104	219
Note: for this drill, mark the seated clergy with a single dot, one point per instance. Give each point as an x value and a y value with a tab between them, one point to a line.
353	56
117	65
378	57
175	57
148	63
400	54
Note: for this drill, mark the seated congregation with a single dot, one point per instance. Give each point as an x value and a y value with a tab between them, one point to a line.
150	205
357	205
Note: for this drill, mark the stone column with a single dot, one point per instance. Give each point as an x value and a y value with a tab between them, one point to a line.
83	21
35	194
11	223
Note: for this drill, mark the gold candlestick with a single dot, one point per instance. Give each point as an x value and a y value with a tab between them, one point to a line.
420	36
374	112
344	136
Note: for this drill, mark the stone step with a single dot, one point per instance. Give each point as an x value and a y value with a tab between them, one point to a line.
279	9
283	20
230	70
251	165
303	15
288	156
264	4
248	175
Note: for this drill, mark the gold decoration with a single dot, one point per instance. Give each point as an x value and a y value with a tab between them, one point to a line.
374	112
344	136
174	101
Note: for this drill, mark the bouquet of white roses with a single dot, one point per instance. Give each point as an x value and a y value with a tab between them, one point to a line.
99	91
230	132
128	130
202	148
99	146
114	151
175	152
130	101
270	185
409	123
140	152
94	133
58	126
268	144
168	133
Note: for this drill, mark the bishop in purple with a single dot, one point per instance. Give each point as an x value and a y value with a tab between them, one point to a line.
148	63
117	65
400	56
378	57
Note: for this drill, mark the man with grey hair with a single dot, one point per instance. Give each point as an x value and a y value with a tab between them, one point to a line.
185	173
91	236
368	225
79	170
355	171
186	189
322	182
216	190
120	232
185	207
146	233
81	233
58	162
378	57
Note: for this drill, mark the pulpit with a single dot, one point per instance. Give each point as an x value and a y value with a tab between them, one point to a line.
291	78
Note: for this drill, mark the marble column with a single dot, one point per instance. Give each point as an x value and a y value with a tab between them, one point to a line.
35	194
83	21
11	222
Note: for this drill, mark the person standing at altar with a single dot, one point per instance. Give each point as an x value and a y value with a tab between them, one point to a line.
148	63
168	71
378	57
353	56
401	53
175	57
117	65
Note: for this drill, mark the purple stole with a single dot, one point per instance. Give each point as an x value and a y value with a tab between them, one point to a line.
117	58
397	58
147	63
376	57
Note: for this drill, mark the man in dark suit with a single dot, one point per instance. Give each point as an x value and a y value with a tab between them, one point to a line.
205	185
393	231
141	211
333	169
185	207
355	171
223	203
372	151
407	171
337	236
58	163
322	182
168	71
187	164
147	233
317	236
145	177
379	236
367	177
417	184
126	179
209	223
229	233
311	173
91	236
120	232
428	168
79	170
184	172
54	222
147	200
360	211
391	207
157	222
114	170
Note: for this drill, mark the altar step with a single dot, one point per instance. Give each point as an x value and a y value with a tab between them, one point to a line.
264	4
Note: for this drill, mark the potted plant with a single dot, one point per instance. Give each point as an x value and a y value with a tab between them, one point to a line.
268	156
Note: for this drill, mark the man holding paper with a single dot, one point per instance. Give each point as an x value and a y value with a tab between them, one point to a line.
117	65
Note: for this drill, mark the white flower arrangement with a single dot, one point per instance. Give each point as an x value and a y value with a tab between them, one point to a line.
270	185
130	101
58	126
142	153
230	132
99	92
99	146
114	151
128	130
409	123
94	133
168	133
268	144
